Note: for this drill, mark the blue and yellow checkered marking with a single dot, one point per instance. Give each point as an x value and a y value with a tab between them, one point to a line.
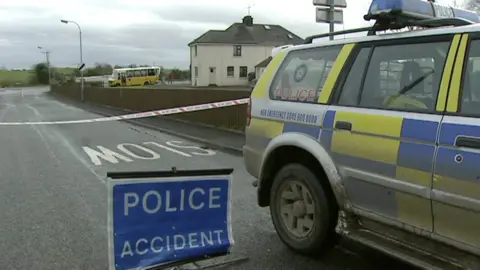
458	178
419	130
313	131
272	128
450	131
329	119
391	146
417	156
385	145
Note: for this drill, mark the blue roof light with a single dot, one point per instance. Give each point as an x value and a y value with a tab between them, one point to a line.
419	9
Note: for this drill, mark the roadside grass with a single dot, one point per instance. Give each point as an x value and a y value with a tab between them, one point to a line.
11	78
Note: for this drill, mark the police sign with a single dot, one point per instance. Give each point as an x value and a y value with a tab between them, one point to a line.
163	217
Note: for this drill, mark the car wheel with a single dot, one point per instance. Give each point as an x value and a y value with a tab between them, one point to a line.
303	216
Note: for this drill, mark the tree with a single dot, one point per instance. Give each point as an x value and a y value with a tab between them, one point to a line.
472	5
41	73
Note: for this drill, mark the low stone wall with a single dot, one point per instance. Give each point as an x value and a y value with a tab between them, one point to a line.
145	99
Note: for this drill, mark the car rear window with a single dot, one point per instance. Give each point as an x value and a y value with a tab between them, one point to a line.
303	73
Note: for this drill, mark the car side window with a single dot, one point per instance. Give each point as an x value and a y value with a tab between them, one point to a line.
470	89
351	88
402	76
303	73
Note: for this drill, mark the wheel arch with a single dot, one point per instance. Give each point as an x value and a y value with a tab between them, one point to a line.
299	148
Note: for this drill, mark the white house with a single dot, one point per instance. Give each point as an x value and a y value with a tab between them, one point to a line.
225	57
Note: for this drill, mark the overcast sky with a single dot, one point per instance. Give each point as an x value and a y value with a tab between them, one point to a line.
139	31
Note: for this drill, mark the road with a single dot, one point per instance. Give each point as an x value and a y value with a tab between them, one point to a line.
53	196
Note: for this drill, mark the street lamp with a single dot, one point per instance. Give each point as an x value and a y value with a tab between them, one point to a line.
81	54
47	55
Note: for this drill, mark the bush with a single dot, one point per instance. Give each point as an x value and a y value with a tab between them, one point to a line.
251	76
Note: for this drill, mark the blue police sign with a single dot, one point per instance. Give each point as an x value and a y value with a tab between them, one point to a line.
158	219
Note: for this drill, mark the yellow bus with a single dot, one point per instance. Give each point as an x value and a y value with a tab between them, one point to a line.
134	76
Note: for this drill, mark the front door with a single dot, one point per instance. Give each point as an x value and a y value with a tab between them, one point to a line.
213	76
385	122
456	185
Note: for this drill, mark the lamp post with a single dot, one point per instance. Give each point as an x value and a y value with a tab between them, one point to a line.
81	54
47	55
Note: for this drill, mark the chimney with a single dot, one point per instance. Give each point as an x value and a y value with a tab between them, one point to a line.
248	20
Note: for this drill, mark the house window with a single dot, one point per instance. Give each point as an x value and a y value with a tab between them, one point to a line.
237	50
195	50
196	71
230	71
243	72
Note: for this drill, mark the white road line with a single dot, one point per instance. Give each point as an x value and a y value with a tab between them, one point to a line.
66	106
168	148
37	113
47	145
153	154
67	144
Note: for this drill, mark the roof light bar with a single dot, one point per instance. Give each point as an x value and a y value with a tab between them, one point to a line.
417	10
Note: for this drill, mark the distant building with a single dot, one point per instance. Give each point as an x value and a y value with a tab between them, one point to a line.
225	57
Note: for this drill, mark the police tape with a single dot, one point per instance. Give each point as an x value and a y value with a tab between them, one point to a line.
192	108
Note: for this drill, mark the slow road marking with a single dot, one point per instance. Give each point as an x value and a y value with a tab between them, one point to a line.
129	152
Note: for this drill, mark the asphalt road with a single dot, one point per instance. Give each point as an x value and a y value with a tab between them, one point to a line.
53	197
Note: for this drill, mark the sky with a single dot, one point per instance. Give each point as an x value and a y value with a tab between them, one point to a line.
140	31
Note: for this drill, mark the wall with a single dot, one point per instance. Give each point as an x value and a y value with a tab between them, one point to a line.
146	99
221	56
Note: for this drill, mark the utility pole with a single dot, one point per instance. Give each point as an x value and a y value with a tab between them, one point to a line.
332	18
47	56
81	55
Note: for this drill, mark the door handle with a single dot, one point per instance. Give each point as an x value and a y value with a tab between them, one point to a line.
468	142
343	125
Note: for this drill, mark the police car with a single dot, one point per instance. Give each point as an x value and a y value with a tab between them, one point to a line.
375	138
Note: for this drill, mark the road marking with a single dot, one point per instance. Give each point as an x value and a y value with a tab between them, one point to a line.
105	154
66	106
34	110
126	154
205	152
168	148
123	147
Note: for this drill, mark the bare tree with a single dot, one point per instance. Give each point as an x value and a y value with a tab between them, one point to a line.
472	5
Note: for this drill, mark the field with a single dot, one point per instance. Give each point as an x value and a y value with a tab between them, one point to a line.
9	78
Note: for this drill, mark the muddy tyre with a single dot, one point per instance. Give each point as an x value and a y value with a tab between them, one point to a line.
302	211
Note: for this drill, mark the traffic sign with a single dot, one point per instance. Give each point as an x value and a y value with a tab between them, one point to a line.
326	3
323	15
82	65
159	218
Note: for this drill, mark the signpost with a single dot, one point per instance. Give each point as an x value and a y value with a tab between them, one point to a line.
327	12
169	218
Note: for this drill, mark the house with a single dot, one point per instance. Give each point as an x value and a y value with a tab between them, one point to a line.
260	67
226	57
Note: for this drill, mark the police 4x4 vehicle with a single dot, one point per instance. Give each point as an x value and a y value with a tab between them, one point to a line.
375	138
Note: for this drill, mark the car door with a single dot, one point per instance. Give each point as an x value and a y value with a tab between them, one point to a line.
456	185
384	122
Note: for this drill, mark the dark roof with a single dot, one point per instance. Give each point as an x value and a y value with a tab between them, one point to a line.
241	33
265	62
